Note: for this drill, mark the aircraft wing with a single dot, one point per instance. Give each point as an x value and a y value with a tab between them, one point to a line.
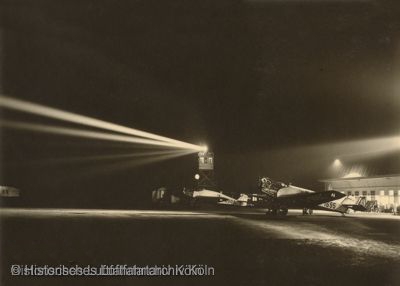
211	194
309	200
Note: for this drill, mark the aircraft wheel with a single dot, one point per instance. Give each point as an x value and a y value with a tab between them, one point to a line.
305	211
283	212
271	212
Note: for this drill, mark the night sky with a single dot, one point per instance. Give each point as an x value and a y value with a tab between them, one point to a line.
270	86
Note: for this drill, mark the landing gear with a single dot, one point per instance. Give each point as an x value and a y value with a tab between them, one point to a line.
283	212
271	212
307	211
193	202
275	212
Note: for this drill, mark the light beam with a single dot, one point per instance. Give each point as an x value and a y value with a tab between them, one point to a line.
41	110
128	164
107	157
81	133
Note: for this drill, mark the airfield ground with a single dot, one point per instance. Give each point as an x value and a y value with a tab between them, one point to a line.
245	248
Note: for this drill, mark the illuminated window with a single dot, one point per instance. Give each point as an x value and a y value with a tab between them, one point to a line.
381	193
391	193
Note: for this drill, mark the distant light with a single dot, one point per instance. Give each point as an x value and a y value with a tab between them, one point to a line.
197	176
204	148
337	163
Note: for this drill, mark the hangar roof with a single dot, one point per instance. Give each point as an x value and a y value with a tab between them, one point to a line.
365	182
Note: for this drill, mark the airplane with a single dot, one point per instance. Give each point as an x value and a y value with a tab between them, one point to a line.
278	197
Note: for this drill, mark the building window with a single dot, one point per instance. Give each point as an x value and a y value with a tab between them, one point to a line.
373	195
364	193
382	193
391	193
349	193
357	193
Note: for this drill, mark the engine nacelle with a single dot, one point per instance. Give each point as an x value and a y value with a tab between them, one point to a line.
270	187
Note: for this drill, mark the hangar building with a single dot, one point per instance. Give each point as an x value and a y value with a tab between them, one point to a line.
385	190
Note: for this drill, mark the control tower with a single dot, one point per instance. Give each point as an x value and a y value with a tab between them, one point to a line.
206	170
